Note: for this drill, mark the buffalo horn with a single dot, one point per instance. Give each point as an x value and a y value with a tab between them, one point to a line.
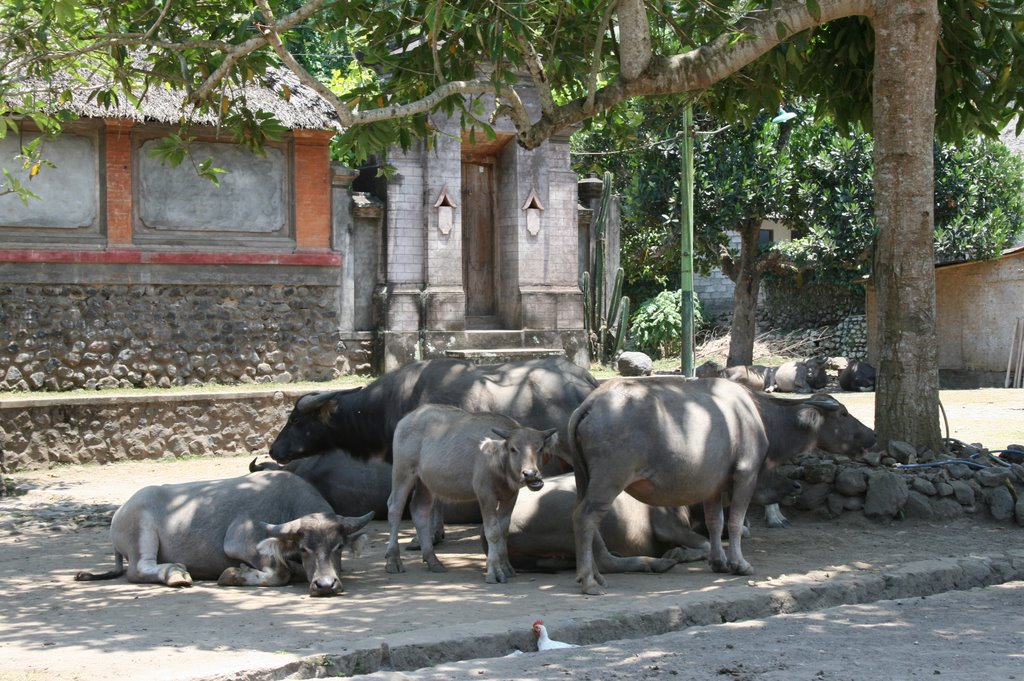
308	403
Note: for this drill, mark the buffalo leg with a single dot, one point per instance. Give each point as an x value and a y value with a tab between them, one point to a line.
271	568
715	523
400	490
142	561
586	519
773	516
497	516
420	509
608	562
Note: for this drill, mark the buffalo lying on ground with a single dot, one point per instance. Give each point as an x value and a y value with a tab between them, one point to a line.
800	376
454	454
539	393
240	531
857	376
669	441
633	537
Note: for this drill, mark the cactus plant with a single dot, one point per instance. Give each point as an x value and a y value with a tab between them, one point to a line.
606	322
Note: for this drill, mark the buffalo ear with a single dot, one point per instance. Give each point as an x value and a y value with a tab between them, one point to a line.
550	437
503	433
809	416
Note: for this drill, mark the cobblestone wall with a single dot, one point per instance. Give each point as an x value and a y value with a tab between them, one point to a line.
64	337
787	306
41	432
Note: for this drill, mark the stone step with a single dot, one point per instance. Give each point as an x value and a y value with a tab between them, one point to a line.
500	355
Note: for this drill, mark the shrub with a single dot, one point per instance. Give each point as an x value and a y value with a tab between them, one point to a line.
657	324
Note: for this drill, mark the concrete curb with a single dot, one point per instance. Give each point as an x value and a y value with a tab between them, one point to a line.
798	593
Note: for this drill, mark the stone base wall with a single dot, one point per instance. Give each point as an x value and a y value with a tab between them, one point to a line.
787	306
42	432
907	483
87	336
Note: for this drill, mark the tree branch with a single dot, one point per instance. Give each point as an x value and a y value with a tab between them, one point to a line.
634	39
595	64
270	33
702	67
236	52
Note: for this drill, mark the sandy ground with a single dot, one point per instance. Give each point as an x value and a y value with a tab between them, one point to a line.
54	628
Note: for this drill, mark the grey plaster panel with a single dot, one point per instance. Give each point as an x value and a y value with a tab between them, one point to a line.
68	196
251	197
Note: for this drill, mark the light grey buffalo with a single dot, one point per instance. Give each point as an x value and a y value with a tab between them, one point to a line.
633	537
669	441
800	376
240	531
458	455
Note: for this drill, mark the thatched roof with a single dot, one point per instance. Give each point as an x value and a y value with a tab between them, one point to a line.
303	108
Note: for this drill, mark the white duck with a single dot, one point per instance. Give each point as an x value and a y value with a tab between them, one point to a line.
544	642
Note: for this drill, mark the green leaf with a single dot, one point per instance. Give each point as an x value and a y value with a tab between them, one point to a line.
814	9
781	30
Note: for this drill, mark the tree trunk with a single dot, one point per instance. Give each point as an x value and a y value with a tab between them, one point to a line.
907	399
747	277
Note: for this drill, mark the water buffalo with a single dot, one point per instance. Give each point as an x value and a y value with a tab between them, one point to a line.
800	376
240	531
754	376
540	393
857	376
674	442
633	537
353	487
454	454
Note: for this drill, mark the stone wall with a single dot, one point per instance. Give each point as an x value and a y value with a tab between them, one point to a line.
41	432
73	336
907	483
788	305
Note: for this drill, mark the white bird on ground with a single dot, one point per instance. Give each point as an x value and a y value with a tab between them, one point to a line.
544	642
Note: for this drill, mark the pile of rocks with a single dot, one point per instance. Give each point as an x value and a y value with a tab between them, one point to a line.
904	482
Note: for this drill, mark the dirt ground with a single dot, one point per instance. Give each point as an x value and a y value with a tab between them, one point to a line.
54	628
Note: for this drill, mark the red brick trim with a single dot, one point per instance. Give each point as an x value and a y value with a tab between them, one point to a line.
129	256
118	163
312	188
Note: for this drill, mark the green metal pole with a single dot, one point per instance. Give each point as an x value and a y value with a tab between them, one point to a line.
686	241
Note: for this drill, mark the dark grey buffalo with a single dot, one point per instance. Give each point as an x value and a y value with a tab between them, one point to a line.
669	441
350	485
453	454
240	531
538	394
633	537
857	376
800	376
354	487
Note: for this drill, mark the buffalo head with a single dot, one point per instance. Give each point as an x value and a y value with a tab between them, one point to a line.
310	429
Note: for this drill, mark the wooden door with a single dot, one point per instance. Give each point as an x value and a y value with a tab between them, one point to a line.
478	240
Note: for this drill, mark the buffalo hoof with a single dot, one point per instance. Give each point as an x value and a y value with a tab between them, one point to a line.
719	566
393	567
231	577
498	577
591	588
662	564
741	568
436	566
177	575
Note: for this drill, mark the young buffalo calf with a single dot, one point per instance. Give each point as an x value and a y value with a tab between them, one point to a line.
240	531
460	456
